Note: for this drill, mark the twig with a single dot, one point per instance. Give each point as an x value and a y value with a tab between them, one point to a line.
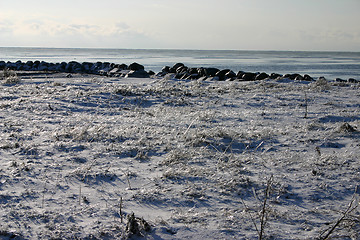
332	229
190	126
251	217
263	212
80	194
121	214
306	105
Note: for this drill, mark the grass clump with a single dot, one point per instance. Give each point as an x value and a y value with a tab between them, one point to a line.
8	76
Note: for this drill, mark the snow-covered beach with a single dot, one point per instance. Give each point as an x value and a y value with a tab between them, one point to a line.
192	159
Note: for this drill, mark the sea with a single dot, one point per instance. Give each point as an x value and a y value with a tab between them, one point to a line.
330	65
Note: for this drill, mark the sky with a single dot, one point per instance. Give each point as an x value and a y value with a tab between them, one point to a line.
294	25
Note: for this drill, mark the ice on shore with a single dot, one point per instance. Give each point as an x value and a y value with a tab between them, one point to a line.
191	158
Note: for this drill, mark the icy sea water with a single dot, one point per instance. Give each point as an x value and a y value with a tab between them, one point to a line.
328	64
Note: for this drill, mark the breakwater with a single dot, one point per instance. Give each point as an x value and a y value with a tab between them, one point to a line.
178	70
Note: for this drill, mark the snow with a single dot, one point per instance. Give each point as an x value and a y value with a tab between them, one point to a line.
192	158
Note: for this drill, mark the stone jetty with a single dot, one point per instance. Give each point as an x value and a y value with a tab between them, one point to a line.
136	70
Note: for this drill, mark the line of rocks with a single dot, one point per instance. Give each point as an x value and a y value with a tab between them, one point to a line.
98	68
136	70
181	71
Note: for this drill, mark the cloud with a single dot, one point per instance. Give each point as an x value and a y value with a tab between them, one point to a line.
50	33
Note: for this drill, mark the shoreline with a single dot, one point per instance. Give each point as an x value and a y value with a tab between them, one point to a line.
136	70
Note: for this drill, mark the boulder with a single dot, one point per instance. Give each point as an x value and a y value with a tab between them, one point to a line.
136	67
274	75
201	71
222	74
240	74
181	69
2	65
165	69
353	80
138	74
261	76
211	72
177	65
299	77
43	66
249	76
308	78
291	76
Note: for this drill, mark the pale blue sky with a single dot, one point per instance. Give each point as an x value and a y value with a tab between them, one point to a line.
188	24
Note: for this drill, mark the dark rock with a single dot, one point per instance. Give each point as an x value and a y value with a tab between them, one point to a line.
299	77
76	67
181	69
339	80
353	80
123	66
138	74
43	66
201	71
151	73
274	75
177	65
292	76
62	67
182	75
222	74
308	78
87	66
136	67
2	65
36	65
240	74
261	76
230	75
248	76
165	69
211	72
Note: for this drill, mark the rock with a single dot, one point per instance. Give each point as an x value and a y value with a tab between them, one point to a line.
165	69
181	69
211	72
122	66
43	66
340	80
177	65
261	76
2	65
299	77
353	80
136	67
240	74
137	74
230	75
201	71
292	76
274	75
222	74
308	78
248	76
87	67
74	67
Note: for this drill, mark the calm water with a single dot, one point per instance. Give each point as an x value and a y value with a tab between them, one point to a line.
329	64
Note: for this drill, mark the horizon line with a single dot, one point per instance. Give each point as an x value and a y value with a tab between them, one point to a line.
181	49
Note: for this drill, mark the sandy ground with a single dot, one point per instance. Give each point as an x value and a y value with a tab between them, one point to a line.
190	159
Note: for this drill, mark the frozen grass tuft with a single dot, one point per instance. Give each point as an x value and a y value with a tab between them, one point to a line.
8	76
